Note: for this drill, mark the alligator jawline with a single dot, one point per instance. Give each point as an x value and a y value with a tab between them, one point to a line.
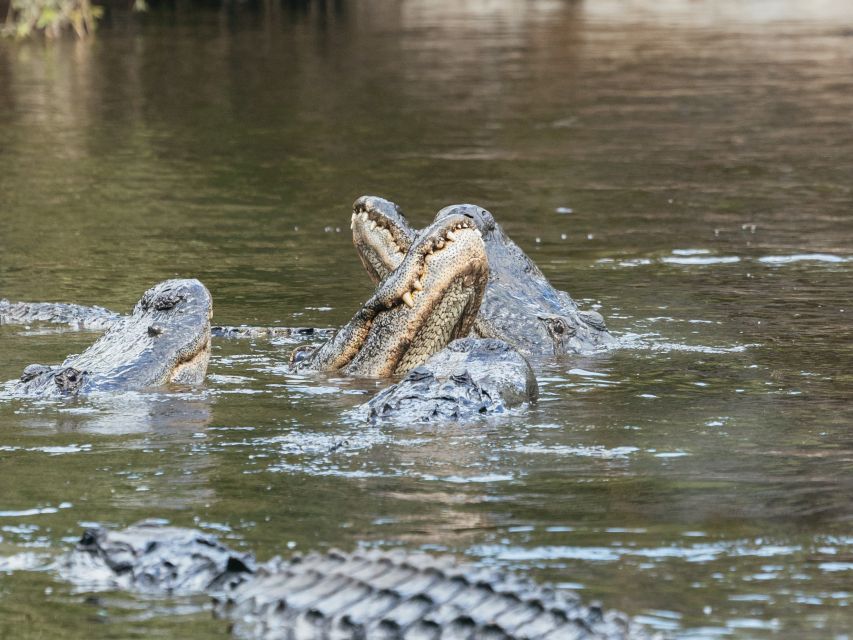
191	362
424	305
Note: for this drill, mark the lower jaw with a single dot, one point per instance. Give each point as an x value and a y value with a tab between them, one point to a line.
192	370
400	353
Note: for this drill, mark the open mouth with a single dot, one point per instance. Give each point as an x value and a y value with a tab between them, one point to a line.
381	235
431	298
441	250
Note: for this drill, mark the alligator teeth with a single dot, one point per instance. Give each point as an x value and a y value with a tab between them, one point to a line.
440	244
408	299
451	236
417	285
352	222
372	225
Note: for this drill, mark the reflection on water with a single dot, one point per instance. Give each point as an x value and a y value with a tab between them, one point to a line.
682	167
119	414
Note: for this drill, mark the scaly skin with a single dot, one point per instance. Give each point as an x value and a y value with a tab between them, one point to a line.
430	298
470	379
519	306
166	339
72	315
94	318
365	595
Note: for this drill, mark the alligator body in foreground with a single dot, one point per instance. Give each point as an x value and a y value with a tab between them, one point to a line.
166	339
365	595
469	379
519	305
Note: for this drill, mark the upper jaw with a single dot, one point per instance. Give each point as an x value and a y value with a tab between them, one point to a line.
382	235
370	214
482	219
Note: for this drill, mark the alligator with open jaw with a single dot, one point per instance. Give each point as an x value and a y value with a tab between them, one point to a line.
519	306
430	298
166	339
366	595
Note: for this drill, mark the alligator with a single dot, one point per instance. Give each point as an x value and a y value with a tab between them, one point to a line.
430	298
96	318
74	315
519	306
461	274
472	377
165	339
364	595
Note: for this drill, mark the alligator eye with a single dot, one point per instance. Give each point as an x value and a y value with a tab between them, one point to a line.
488	219
559	328
167	300
69	380
301	353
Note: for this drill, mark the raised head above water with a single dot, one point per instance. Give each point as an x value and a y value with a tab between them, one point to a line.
519	306
429	299
165	339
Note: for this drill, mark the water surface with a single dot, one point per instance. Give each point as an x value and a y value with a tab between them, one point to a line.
682	167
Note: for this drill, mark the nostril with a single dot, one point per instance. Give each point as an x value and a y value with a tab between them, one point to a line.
360	205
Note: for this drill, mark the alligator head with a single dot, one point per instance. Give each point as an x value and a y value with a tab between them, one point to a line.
430	298
472	378
166	339
519	306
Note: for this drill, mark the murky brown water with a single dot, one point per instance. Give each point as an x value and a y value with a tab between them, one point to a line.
686	166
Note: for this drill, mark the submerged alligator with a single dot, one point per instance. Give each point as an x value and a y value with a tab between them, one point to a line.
74	315
165	339
519	305
365	595
472	377
95	318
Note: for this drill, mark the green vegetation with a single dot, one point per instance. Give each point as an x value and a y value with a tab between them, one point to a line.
52	17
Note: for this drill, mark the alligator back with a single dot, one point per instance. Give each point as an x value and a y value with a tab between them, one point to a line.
373	594
364	595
